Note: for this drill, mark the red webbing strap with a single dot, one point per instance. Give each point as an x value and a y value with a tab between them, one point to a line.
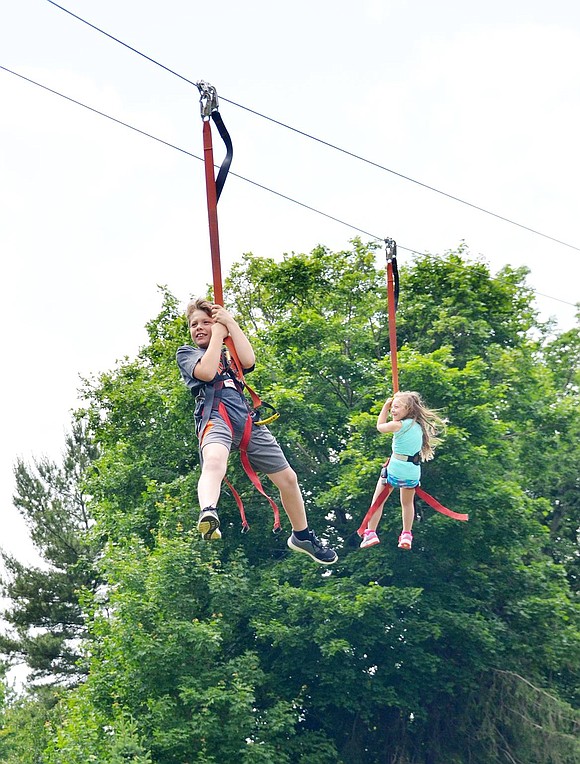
239	374
214	243
251	473
428	499
240	503
392	324
248	469
210	188
382	497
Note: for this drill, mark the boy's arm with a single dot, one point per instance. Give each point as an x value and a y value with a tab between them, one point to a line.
382	424
206	368
241	342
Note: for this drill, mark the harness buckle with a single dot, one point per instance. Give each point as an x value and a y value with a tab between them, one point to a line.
414	459
208	99
384	473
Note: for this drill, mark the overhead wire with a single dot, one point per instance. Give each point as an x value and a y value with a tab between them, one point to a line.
194	156
320	140
236	175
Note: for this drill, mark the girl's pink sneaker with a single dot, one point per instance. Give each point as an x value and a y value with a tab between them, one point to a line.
370	538
405	540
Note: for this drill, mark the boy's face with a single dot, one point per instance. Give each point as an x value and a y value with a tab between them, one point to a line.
200	326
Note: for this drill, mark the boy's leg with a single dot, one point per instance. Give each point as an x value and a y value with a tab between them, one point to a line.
286	482
213	470
407	508
302	538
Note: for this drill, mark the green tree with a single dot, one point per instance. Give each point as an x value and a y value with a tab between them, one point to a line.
44	613
551	448
24	723
465	649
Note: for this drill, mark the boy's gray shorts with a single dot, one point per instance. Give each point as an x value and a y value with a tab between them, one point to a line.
264	451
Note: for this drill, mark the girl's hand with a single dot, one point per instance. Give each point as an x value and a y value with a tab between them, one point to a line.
388	403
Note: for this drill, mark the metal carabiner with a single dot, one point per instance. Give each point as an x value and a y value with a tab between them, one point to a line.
390	249
208	100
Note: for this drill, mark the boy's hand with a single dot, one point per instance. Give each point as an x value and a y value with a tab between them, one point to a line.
219	330
221	316
242	345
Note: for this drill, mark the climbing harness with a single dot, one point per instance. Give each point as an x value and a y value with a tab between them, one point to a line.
415	459
392	304
261	413
211	401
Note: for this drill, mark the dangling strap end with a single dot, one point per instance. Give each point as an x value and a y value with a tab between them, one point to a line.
240	503
438	507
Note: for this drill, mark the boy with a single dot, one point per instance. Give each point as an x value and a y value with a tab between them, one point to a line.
205	371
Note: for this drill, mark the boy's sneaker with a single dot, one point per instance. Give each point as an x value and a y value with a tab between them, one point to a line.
313	548
405	540
370	538
209	524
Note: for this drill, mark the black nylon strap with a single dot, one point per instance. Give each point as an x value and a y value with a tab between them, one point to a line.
396	280
225	167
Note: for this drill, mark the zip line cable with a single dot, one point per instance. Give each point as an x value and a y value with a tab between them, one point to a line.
236	175
558	299
194	156
399	174
320	140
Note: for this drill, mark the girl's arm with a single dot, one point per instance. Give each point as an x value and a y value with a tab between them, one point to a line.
382	424
391	426
241	342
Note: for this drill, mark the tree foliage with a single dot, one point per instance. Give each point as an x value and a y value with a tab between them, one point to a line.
45	613
465	649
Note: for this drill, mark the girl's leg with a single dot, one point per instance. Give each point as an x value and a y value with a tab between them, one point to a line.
375	519
407	507
213	470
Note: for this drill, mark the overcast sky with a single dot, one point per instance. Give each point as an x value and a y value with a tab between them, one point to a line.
478	99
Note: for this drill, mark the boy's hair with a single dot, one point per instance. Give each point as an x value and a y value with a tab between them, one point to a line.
428	419
197	304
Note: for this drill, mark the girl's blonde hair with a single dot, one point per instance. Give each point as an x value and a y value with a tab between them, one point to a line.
428	419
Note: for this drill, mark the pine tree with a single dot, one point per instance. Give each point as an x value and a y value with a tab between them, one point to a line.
45	613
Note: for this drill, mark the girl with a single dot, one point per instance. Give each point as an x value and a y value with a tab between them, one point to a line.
415	429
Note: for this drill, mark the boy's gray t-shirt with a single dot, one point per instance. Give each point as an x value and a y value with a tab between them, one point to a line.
235	402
